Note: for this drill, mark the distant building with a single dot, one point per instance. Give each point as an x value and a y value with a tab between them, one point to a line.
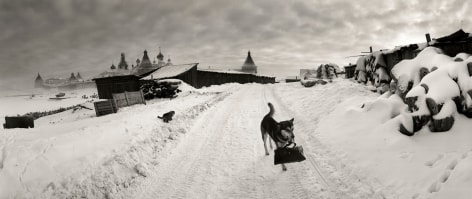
72	78
145	66
160	59
169	63
249	66
142	67
39	82
79	77
70	83
123	65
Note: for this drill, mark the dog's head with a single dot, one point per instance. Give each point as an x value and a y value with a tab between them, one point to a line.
286	129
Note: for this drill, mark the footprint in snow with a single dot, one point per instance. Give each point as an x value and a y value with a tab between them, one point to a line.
432	162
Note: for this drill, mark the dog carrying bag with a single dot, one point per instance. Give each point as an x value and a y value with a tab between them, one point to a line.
289	154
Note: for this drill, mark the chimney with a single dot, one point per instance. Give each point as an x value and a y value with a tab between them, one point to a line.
428	38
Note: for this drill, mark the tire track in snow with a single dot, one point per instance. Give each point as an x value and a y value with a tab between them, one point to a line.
223	156
344	186
209	159
203	159
305	186
49	144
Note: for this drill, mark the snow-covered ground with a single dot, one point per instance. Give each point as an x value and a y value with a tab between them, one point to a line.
14	103
213	148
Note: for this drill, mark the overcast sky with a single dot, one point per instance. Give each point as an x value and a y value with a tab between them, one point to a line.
58	37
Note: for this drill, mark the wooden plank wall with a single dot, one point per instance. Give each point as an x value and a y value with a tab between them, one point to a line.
208	78
128	98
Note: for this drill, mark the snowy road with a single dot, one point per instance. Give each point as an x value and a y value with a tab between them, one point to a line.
223	157
213	149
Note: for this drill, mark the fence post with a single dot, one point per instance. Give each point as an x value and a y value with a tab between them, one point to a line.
111	105
126	97
142	96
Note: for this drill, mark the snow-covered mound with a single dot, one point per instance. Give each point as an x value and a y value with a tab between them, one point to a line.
435	87
75	153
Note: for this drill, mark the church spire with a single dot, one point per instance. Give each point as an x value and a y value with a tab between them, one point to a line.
249	60
38	83
160	56
39	77
169	63
145	62
123	64
249	66
145	66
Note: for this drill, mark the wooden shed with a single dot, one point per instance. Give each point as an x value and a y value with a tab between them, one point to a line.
18	122
349	70
106	86
199	78
400	53
457	42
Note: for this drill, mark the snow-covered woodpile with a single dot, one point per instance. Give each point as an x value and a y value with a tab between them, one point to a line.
161	89
327	71
436	87
322	74
373	68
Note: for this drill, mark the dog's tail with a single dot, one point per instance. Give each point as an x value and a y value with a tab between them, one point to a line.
159	117
272	110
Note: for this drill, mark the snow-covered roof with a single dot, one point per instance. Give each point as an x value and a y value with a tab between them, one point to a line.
112	73
170	71
459	35
230	71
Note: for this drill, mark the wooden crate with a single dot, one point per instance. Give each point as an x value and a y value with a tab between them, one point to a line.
105	107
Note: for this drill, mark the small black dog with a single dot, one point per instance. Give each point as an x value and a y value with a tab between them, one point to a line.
167	116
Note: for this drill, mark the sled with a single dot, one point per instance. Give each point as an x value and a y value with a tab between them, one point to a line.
289	154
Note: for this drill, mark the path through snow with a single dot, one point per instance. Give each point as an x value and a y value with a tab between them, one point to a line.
223	156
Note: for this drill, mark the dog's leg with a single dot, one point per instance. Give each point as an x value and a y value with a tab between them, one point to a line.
270	143
284	168
264	139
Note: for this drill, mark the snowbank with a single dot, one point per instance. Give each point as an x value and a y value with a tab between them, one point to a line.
424	166
74	153
361	134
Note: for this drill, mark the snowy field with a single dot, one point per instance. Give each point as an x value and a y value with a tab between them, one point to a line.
213	148
16	102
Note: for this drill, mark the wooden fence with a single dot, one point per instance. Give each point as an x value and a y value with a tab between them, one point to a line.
128	98
119	100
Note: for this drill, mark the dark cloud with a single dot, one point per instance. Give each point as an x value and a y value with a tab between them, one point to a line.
57	37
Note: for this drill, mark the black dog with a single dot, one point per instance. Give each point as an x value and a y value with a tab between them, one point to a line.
280	132
167	116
